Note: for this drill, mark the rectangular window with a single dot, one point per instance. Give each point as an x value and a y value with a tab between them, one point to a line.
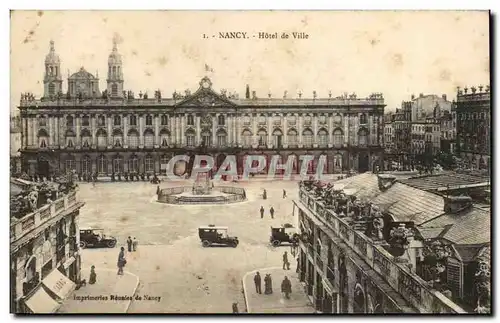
221	140
149	120
247	140
190	141
133	141
149	165
70	165
292	140
190	120
308	140
149	141
133	121
117	121
323	140
117	165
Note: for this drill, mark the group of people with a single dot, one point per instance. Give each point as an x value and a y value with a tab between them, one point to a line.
286	285
131	247
132	244
271	211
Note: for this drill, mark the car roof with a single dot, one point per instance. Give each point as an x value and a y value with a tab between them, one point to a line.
212	227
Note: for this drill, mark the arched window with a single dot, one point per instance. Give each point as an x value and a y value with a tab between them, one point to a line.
133	164
262	134
117	164
362	119
117	120
133	120
190	120
164	138
323	138
190	135
52	89
102	138
206	138
69	121
149	138
149	120
86	138
43	138
221	138
362	137
70	164
247	138
85	121
277	138
101	121
86	166
164	120
292	138
149	165
70	139
114	90
117	138
42	121
307	136
221	120
338	137
133	139
102	165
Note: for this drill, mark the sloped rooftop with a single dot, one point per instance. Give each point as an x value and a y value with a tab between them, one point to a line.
434	182
363	186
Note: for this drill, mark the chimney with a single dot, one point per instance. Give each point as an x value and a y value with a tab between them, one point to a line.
385	181
454	204
444	97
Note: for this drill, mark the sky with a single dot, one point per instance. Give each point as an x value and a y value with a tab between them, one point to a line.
394	53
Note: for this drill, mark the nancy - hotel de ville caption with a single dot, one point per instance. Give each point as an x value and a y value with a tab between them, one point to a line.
257	35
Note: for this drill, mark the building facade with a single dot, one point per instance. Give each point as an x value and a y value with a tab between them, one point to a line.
44	258
114	132
474	126
15	145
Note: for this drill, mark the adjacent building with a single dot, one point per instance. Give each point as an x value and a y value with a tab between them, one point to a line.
473	112
113	131
407	250
44	258
15	145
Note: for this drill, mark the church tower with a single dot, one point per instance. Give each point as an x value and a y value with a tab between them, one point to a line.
52	81
115	73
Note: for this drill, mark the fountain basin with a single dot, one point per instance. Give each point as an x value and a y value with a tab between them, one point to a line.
186	195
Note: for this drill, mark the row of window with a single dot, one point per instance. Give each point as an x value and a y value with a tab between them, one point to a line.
117	164
473	116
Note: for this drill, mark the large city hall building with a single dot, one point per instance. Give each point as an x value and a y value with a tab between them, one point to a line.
113	131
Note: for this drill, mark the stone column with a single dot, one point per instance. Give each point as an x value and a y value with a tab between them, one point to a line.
51	130
255	119
141	130
29	133
35	132
270	138
77	119
214	129
182	135
125	130
171	128
24	132
356	129
315	129
110	120
347	123
237	120
330	128
198	129
300	130
229	127
285	129
93	127
157	130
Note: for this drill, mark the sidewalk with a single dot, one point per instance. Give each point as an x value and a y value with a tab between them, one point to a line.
276	302
108	284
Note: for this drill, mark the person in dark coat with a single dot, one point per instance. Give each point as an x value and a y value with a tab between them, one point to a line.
257	281
129	244
235	308
286	287
271	210
284	194
264	195
286	263
268	284
261	212
121	261
93	275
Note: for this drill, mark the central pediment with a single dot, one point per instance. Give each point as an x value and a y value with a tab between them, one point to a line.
205	97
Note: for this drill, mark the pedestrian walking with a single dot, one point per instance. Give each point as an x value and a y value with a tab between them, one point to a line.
235	308
135	243
121	261
271	210
264	195
286	287
284	194
257	281
129	244
93	275
261	212
286	263
268	284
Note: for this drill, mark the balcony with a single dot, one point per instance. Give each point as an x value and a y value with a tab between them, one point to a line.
414	289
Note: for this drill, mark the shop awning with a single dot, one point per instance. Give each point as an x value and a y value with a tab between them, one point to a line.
41	302
59	284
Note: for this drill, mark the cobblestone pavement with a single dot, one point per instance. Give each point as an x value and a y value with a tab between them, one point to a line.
276	302
108	285
170	261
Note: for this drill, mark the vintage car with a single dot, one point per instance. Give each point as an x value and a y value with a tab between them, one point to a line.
286	233
215	235
95	238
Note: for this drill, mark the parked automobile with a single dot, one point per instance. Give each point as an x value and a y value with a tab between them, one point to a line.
286	233
95	238
211	234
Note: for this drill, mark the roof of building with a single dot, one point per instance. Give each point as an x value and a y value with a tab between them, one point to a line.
471	226
407	203
82	74
363	186
434	182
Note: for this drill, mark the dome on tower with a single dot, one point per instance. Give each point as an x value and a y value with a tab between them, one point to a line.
114	57
52	57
